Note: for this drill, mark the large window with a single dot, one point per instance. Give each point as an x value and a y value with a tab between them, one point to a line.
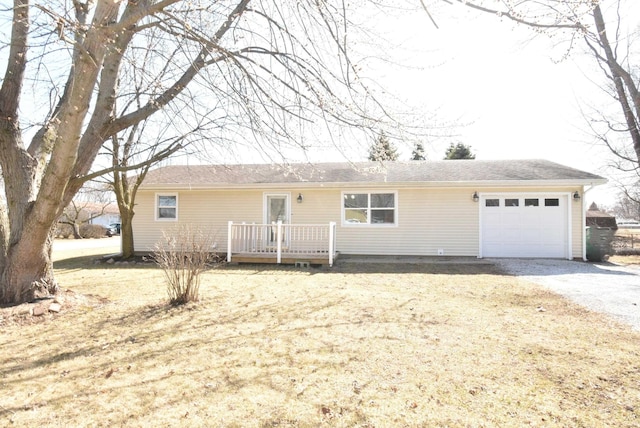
369	208
166	207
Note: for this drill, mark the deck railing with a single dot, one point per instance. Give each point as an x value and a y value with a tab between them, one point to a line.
278	239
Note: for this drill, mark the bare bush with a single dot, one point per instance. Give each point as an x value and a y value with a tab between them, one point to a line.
93	231
63	231
183	255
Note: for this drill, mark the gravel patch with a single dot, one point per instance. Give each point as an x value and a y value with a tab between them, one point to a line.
601	287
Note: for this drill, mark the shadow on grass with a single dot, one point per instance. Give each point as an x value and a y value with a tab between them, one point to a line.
439	268
143	348
426	266
99	262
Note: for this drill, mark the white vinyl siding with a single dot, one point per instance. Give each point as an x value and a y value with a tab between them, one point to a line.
428	219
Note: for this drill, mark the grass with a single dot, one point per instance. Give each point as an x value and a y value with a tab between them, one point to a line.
365	345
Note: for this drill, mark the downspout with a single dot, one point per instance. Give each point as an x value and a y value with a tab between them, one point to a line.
584	221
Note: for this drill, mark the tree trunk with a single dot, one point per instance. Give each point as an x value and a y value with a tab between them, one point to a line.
126	232
28	271
76	231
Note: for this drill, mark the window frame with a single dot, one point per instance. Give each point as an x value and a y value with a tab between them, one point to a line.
158	207
369	208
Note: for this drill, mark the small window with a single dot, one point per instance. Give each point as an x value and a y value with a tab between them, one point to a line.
552	202
167	207
492	203
511	202
531	202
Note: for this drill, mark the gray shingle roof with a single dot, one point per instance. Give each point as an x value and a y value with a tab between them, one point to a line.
449	171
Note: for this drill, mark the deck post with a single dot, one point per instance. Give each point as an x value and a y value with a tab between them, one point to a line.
332	227
279	242
229	240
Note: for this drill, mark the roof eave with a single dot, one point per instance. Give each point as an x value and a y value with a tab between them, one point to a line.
370	184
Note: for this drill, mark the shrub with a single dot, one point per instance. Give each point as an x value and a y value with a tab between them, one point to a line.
63	231
93	231
627	252
183	255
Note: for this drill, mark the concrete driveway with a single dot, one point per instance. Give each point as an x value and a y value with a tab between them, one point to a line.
602	287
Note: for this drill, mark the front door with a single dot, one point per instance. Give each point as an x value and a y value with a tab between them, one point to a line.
277	209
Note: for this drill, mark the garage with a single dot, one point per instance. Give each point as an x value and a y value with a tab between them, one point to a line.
524	225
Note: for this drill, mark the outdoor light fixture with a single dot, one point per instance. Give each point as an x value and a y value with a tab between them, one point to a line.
300	198
576	196
475	197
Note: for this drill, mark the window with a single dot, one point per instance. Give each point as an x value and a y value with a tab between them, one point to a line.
369	208
492	203
531	202
511	202
552	202
166	207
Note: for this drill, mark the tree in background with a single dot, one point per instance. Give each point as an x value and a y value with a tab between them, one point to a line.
383	150
628	206
418	152
92	201
458	151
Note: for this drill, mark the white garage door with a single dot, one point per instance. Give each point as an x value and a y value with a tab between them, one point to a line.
528	225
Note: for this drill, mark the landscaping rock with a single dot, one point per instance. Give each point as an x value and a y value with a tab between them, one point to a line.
38	311
55	307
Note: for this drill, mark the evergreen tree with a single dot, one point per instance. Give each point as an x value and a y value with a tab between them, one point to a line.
418	152
459	151
382	150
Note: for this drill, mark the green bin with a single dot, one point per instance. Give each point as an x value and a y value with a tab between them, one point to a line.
599	243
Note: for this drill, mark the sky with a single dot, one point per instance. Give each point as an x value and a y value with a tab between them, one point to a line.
510	91
505	90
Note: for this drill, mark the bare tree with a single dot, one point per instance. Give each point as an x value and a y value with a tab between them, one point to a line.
90	203
132	156
586	21
266	65
628	205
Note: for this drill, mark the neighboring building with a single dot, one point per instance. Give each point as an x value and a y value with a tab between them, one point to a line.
598	218
101	214
505	208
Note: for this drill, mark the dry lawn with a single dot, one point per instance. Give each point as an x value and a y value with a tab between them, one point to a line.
429	345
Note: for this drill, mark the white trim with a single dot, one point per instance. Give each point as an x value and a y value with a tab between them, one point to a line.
480	199
396	208
583	204
569	254
265	205
155	214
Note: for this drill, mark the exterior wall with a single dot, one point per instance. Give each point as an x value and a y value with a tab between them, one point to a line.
204	209
429	220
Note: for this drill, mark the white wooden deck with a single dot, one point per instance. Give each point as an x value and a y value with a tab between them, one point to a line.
282	243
